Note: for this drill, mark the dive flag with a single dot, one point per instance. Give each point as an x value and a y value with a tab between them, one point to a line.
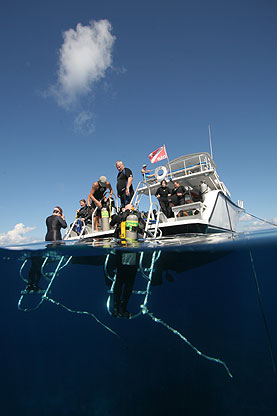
158	155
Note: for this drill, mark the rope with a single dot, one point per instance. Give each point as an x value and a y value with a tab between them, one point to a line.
257	218
81	313
263	314
207	357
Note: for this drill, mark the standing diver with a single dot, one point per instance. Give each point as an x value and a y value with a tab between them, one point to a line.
125	189
54	223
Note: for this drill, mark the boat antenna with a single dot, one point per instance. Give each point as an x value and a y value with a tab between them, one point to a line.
210	136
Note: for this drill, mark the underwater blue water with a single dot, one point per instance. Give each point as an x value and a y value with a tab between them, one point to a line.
212	295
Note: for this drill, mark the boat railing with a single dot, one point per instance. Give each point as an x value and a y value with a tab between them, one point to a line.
150	217
179	169
152	220
193	208
190	165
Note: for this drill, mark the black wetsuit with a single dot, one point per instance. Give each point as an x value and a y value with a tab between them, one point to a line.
122	179
54	224
84	212
178	199
164	199
126	264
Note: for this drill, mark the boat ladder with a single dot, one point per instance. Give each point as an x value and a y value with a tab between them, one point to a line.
40	263
146	273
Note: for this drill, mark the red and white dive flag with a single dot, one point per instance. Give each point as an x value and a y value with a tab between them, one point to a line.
158	155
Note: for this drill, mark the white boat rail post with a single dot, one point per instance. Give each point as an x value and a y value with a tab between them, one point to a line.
157	219
150	211
92	218
68	231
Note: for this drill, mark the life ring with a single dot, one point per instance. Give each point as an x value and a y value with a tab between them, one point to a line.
163	175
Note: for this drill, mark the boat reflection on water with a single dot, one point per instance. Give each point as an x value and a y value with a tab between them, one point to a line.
132	276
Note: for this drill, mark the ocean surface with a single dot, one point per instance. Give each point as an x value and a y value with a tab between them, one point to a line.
201	338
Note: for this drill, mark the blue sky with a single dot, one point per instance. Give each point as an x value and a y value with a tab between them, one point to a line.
157	72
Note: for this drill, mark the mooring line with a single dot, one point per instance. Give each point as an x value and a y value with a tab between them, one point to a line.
263	313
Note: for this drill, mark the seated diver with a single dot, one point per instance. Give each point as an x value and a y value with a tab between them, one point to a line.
147	175
117	219
179	196
84	215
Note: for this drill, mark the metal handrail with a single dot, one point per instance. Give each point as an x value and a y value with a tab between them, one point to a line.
67	234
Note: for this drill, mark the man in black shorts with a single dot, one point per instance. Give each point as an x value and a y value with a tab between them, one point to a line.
96	198
125	189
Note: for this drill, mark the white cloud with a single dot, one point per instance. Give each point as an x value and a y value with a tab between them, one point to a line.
17	235
247	223
84	57
84	123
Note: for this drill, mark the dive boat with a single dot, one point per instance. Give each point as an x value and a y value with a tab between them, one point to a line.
209	208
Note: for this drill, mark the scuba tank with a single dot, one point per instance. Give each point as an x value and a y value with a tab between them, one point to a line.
132	226
105	219
204	189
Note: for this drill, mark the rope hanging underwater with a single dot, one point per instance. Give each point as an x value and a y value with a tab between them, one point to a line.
263	314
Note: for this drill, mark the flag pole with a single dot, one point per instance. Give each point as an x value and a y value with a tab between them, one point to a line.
210	136
168	163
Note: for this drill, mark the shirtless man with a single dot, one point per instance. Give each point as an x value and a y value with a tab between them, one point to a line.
96	198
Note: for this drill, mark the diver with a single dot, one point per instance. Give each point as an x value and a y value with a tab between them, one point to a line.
163	194
125	189
117	219
54	223
126	269
83	216
96	198
34	274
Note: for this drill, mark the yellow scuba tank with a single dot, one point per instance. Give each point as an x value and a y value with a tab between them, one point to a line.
105	219
132	227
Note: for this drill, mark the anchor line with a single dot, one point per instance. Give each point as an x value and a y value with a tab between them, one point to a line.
261	219
263	313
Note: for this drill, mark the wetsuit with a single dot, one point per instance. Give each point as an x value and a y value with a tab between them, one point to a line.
34	273
164	199
122	179
126	264
54	224
84	212
178	199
